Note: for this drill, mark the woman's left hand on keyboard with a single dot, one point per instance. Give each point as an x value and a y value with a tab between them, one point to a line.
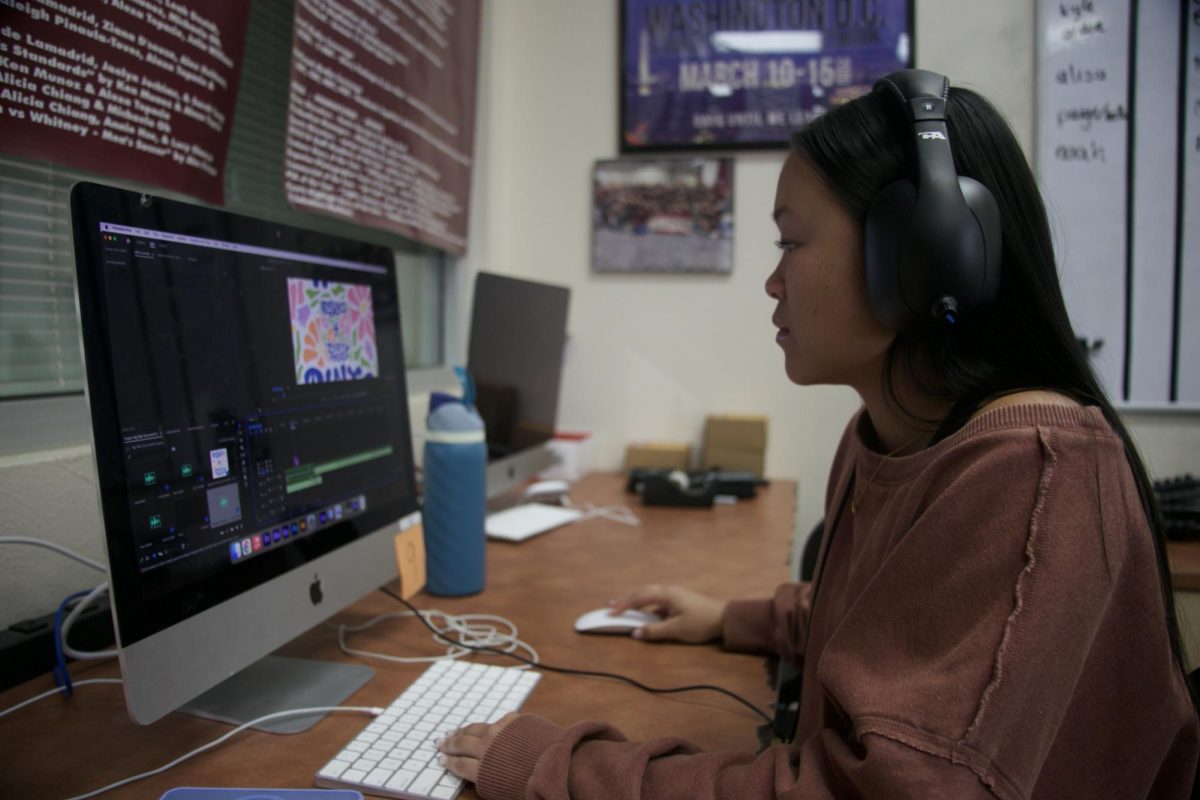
463	750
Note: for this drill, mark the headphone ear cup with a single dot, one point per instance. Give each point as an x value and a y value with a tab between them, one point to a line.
885	246
900	290
987	215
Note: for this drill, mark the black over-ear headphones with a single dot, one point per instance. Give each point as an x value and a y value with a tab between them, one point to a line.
933	248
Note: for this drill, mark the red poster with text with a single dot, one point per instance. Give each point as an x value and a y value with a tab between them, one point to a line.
137	89
381	116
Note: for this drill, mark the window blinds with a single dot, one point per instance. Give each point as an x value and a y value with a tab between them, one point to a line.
39	340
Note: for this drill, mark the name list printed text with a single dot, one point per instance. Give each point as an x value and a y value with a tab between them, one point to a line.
355	134
93	75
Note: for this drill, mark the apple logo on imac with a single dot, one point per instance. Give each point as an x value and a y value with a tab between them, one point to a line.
314	590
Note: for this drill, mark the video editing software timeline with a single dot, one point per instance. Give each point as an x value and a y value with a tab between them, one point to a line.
257	391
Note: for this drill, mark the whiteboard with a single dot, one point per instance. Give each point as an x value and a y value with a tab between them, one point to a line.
1189	261
1112	162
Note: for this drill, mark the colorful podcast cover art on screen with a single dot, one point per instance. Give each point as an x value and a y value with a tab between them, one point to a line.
333	331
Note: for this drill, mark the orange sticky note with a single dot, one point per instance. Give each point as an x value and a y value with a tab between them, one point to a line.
410	560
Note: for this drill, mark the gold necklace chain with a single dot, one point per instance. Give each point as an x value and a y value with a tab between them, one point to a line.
858	495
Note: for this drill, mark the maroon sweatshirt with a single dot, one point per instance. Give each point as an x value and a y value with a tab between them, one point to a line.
988	623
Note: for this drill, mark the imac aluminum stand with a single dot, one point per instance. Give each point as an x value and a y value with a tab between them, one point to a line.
279	683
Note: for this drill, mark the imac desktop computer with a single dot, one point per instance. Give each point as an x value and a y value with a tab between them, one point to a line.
515	356
251	437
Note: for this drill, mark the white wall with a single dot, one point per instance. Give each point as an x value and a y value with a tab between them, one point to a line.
649	356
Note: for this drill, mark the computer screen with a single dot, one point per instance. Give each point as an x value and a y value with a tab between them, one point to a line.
515	355
250	427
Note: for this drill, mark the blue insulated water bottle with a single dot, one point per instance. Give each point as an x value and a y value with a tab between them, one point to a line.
455	497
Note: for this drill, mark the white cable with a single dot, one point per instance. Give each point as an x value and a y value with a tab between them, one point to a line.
464	626
471	633
96	565
622	514
83	603
79	607
470	630
59	690
372	710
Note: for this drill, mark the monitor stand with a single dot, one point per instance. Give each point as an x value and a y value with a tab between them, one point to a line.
507	473
279	683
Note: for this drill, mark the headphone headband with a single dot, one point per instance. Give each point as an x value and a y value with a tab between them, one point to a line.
915	84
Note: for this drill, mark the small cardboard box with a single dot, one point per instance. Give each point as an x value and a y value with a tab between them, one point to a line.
735	443
658	455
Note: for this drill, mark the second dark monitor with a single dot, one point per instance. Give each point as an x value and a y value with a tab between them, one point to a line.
515	354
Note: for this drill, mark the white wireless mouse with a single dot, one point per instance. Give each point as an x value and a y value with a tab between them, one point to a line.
600	621
547	489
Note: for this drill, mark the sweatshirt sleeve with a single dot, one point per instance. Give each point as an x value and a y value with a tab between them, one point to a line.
777	626
537	760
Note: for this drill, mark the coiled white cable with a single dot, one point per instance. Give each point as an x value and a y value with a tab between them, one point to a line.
621	514
466	629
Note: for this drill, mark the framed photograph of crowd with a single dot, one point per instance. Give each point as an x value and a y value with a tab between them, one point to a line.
663	215
745	73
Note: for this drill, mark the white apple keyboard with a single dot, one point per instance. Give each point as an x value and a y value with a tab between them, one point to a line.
518	523
395	755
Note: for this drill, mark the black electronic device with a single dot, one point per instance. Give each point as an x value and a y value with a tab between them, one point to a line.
738	484
733	484
1179	504
677	488
932	249
515	356
668	487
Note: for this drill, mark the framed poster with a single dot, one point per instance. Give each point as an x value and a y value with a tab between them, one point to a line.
743	74
663	215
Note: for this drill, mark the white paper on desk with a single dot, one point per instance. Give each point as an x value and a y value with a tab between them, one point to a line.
521	522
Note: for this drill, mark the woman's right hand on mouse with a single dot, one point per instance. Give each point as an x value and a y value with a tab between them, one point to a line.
688	616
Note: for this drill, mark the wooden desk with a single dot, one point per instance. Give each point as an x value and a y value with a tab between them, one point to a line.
59	747
1184	558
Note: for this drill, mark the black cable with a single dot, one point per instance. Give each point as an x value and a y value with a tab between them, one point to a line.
587	672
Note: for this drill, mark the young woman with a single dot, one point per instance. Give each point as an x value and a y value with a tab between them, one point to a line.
991	616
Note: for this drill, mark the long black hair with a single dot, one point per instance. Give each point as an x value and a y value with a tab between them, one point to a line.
1023	339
